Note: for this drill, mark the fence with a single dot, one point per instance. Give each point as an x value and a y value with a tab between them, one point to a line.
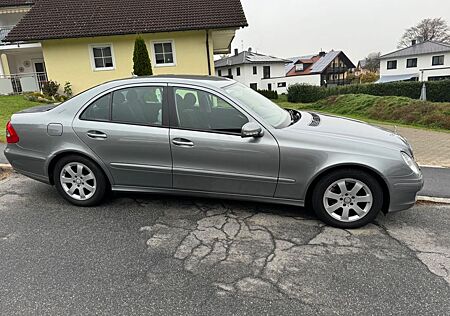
18	83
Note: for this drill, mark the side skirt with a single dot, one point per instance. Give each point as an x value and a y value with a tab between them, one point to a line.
208	195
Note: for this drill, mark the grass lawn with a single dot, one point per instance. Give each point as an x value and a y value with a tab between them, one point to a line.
384	110
10	105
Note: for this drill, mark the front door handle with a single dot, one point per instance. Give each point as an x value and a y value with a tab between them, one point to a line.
96	135
182	142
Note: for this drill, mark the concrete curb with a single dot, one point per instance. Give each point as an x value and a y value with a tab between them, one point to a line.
5	166
432	166
433	199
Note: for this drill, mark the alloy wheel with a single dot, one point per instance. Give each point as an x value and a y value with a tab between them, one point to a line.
348	200
78	181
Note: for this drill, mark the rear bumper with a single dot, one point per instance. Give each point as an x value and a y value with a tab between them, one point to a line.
26	162
404	191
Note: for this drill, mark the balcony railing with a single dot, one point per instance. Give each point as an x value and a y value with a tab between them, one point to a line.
332	69
19	83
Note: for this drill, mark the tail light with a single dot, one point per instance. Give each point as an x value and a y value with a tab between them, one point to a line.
11	135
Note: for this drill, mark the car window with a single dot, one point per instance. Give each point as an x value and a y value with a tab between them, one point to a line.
138	105
201	110
98	110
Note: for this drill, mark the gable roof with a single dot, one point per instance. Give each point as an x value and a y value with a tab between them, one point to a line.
319	65
57	19
427	47
15	3
247	57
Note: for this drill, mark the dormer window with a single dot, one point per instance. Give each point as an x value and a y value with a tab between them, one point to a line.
299	67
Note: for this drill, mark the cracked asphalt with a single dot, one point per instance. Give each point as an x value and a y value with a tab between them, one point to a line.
176	256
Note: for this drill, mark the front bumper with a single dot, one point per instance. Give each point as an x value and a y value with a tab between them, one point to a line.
403	192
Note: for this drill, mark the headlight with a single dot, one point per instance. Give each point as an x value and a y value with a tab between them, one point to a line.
411	163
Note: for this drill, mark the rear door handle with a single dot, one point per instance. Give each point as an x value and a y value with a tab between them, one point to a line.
96	135
182	142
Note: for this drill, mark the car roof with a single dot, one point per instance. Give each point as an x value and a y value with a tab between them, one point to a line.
211	81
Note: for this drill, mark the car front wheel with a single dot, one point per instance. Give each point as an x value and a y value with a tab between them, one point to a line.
79	180
347	198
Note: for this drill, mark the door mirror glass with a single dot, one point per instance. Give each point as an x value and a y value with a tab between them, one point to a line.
252	129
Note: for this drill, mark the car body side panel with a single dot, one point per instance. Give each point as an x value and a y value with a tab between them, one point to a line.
225	163
135	155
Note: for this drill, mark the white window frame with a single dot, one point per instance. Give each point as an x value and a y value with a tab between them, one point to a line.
174	55
91	54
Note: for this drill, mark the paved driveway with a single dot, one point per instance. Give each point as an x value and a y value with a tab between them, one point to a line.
175	256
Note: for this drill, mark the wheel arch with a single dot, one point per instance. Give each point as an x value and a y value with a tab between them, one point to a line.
373	172
52	162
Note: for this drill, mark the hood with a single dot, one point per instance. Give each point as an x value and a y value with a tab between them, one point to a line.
350	129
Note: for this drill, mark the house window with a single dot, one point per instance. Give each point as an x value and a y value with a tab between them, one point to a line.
219	73
238	71
392	64
281	84
164	53
266	72
230	74
102	57
299	67
438	60
254	86
411	63
255	70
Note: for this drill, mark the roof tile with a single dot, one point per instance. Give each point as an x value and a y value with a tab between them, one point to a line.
55	19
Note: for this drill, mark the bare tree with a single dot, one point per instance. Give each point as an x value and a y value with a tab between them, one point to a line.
373	62
428	30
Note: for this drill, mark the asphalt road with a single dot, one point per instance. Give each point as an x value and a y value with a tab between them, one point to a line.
173	256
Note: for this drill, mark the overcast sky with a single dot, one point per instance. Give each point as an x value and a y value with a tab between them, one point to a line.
288	28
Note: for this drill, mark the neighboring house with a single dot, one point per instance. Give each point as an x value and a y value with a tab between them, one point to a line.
324	69
361	68
250	68
90	42
422	61
22	65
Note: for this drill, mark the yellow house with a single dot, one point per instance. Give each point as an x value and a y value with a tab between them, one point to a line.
89	42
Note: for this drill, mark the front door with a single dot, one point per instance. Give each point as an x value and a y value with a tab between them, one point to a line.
41	74
126	128
208	152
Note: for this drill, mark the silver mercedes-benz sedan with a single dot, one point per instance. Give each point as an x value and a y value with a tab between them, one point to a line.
212	137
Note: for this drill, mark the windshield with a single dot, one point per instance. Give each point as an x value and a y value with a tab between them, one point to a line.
266	109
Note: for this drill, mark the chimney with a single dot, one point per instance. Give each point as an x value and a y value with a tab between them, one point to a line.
236	52
249	49
413	42
322	53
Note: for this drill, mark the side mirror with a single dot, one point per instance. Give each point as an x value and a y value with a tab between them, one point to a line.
251	129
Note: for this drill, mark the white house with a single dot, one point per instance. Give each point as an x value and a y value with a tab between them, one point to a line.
251	69
22	66
424	61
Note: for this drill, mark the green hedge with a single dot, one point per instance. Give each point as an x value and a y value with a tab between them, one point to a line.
437	91
273	95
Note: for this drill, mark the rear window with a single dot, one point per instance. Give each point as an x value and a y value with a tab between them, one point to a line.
98	110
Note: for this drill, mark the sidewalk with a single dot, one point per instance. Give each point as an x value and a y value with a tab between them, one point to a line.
430	148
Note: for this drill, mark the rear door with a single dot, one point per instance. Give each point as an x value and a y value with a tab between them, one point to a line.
128	129
209	154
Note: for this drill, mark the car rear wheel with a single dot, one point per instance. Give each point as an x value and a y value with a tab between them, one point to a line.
347	198
79	180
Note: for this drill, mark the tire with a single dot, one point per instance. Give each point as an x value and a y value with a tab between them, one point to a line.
343	208
88	187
